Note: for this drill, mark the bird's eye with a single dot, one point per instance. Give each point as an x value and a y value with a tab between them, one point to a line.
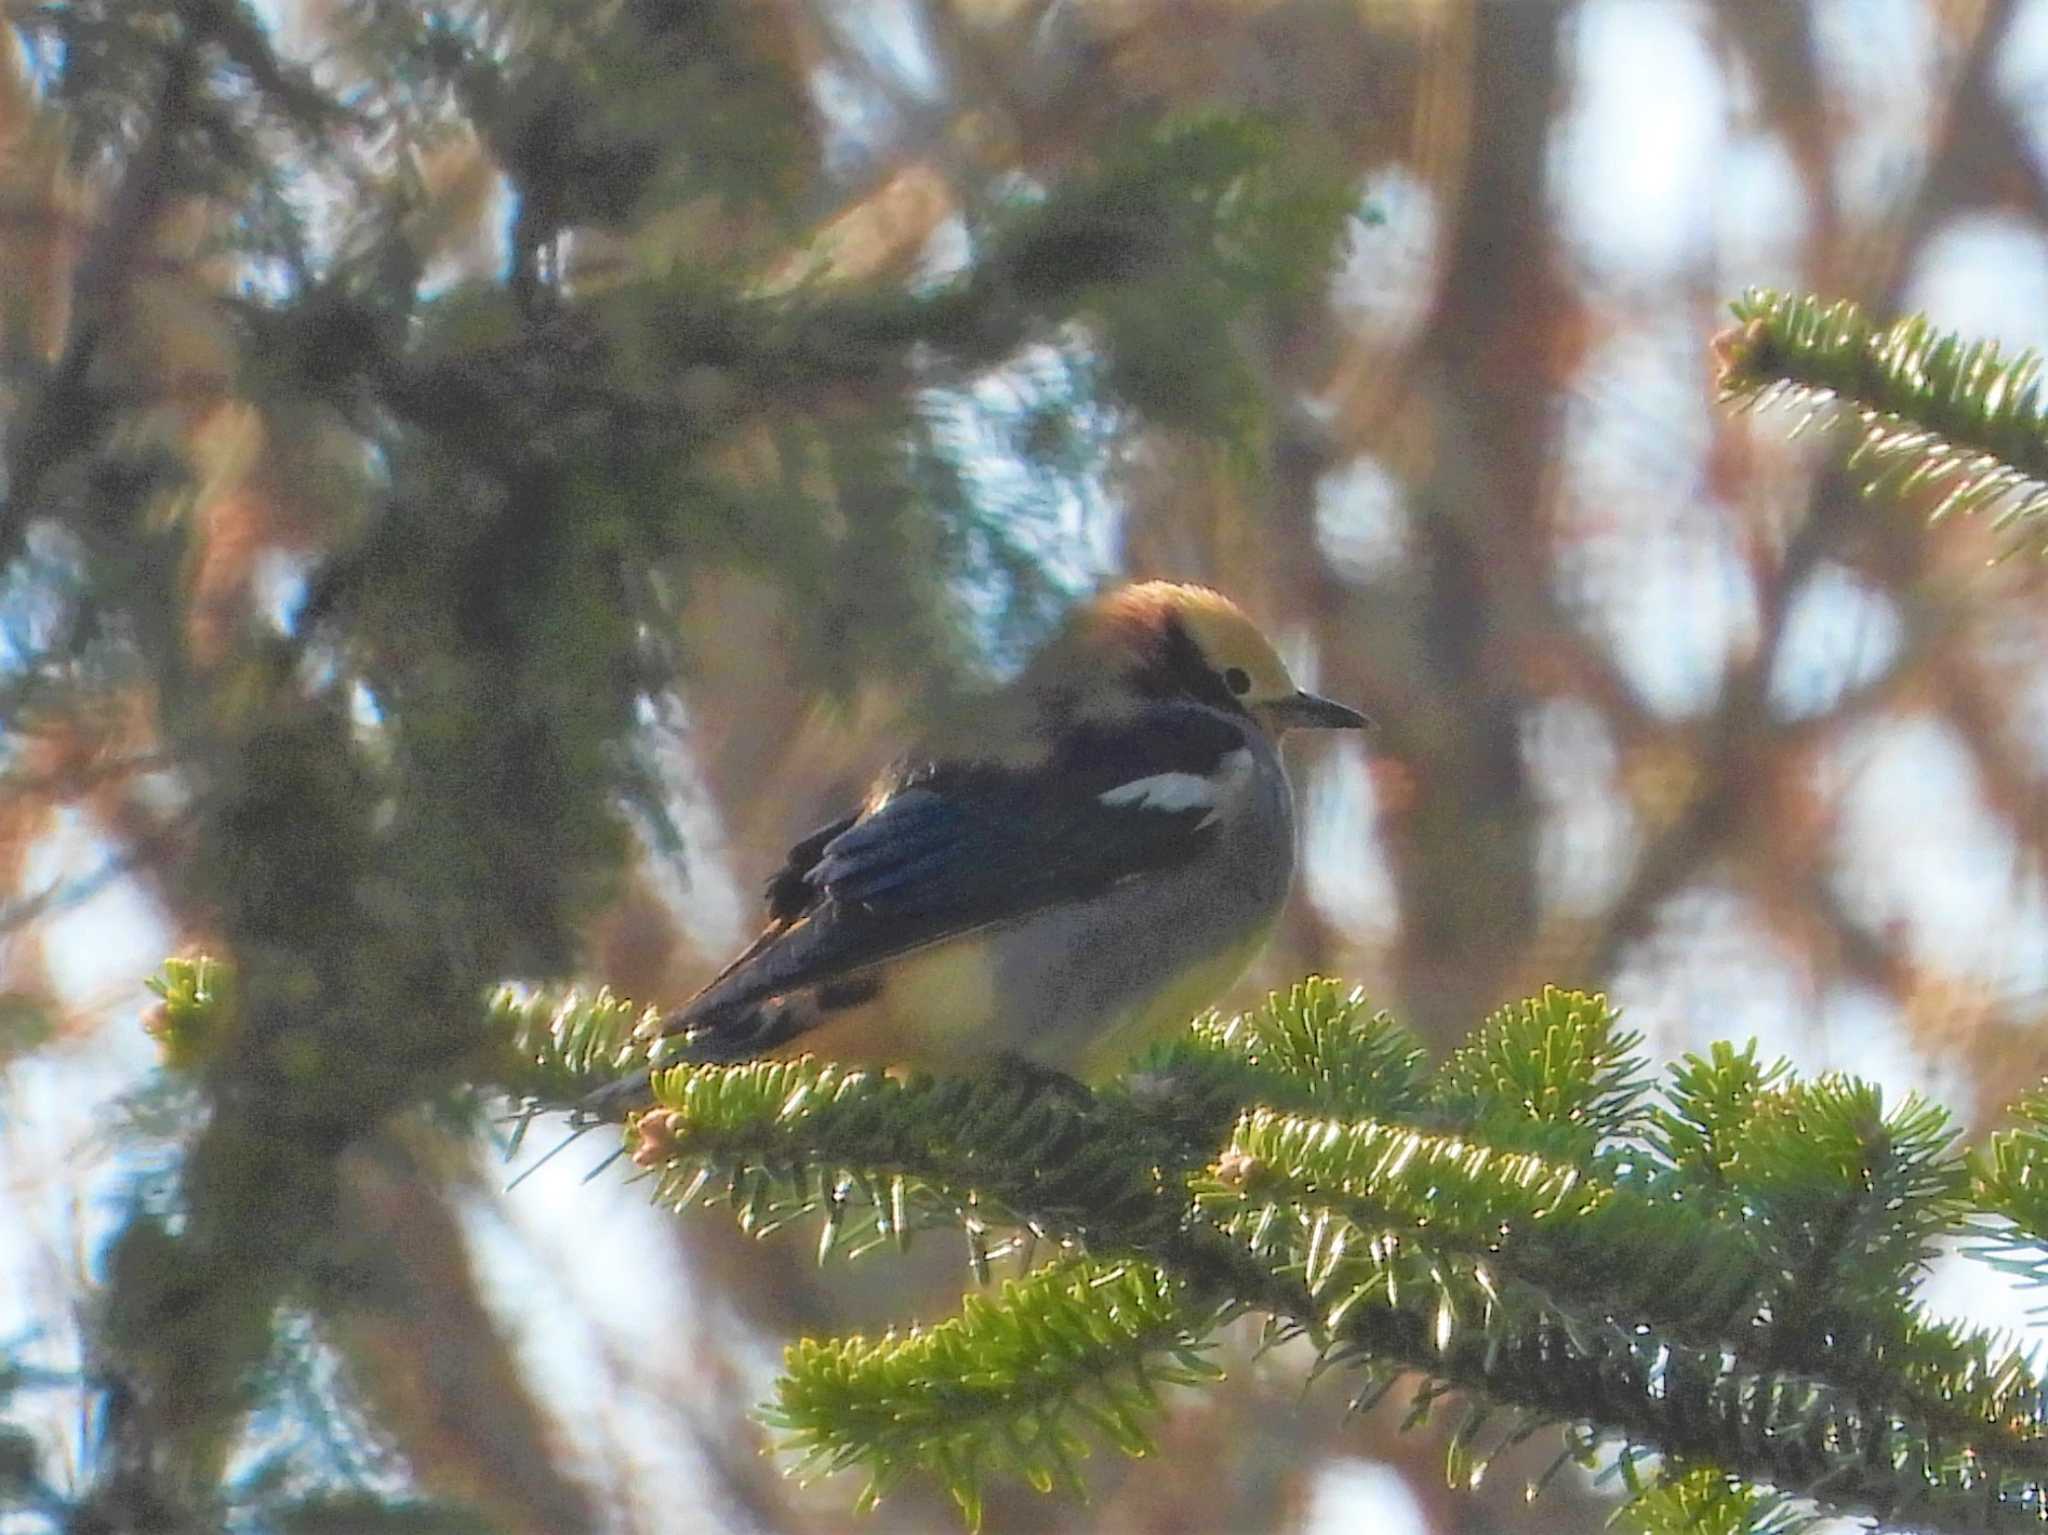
1238	681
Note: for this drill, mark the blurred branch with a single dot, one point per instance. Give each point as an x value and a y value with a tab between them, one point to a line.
73	890
291	89
71	781
424	1349
1466	864
1978	159
67	413
1737	738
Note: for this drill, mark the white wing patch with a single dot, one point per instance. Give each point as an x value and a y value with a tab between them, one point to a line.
1185	791
1163	791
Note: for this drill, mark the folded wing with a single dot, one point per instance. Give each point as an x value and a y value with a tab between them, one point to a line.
949	848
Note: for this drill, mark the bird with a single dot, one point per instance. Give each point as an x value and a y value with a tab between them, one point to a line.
1094	857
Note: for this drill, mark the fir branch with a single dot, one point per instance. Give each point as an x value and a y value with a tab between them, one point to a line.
1720	1280
1458	1231
1842	1201
1554	1074
1365	1208
1315	1049
1934	412
552	1045
1002	1388
1839	1192
2010	1190
1612	1293
1703	1500
778	1140
563	1043
1798	1434
1708	1101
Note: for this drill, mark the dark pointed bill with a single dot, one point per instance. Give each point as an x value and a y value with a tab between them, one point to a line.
1305	711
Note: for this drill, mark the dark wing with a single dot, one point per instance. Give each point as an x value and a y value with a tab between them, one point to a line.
790	891
952	847
790	895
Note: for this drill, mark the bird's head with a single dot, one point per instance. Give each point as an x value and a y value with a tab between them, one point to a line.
1155	641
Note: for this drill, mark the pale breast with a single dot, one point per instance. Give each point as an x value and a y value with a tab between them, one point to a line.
1078	988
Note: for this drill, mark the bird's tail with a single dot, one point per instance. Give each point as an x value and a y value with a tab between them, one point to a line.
694	1037
615	1102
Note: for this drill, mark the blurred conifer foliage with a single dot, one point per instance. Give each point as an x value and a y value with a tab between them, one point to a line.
377	393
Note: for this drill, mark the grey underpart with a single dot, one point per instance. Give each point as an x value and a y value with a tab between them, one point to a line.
1061	971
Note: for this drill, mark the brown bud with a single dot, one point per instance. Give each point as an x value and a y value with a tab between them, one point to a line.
656	1138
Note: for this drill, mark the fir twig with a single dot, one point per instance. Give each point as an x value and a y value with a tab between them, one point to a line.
1706	1501
779	1140
1367	1208
1933	411
1555	1074
2010	1192
1318	1048
1004	1387
564	1042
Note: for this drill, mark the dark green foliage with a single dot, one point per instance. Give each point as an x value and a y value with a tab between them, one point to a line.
1553	1075
561	1040
1717	1276
2010	1187
1212	206
1704	1501
1727	1280
1836	1186
1006	1386
778	1140
23	1484
1318	1049
1363	1209
1934	412
1708	1104
20	1460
